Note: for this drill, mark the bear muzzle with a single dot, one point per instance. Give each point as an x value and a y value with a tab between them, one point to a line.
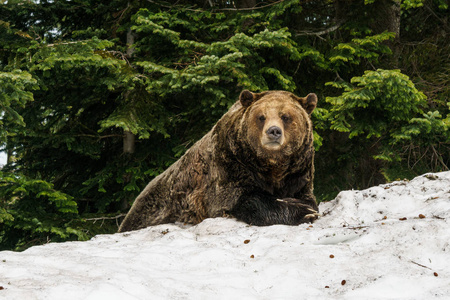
273	138
274	133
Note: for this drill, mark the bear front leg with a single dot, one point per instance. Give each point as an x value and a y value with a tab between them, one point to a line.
262	210
309	204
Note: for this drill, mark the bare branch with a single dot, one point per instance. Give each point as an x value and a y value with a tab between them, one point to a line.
106	218
420	265
444	23
322	32
220	9
249	8
66	43
103	219
99	137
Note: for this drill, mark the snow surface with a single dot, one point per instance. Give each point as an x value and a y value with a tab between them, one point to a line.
386	242
3	159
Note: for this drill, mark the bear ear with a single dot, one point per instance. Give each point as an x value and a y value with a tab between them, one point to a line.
309	102
246	97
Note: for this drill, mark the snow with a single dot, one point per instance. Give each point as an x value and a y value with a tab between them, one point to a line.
3	159
386	242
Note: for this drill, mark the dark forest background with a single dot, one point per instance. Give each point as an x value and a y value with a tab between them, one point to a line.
98	97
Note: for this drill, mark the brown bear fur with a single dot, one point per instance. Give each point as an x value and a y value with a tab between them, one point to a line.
256	164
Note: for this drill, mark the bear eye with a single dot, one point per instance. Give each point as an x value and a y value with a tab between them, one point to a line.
285	118
262	118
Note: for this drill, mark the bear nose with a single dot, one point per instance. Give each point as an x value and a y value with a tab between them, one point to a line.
274	132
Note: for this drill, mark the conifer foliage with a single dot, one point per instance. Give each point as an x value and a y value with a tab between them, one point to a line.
99	97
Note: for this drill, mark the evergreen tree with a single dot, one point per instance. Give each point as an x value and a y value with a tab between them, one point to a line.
98	97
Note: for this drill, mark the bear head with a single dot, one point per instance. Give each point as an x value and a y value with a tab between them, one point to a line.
276	124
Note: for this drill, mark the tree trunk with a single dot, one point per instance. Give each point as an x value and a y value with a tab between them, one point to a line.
129	138
128	142
386	16
9	156
130	42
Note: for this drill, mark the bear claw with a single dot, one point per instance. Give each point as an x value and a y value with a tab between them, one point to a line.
312	217
312	210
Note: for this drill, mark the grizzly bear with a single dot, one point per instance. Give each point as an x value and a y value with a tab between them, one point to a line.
256	164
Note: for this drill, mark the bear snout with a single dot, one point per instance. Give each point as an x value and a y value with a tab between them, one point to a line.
274	133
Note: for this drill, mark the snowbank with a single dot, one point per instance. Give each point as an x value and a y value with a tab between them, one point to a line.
387	242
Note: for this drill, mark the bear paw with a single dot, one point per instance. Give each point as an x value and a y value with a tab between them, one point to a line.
309	218
309	214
